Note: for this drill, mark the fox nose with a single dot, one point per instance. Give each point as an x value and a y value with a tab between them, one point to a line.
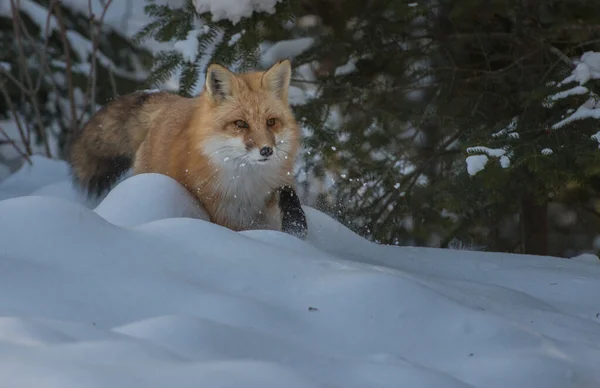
266	151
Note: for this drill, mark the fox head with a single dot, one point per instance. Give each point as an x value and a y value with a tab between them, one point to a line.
251	122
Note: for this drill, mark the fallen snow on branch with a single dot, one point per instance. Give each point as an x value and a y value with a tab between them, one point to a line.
588	67
188	47
476	163
234	10
590	109
285	49
577	90
508	129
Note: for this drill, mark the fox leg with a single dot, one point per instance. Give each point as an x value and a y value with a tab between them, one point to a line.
293	219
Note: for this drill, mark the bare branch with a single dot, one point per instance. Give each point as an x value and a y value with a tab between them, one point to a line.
13	110
10	141
43	55
69	69
17	26
91	90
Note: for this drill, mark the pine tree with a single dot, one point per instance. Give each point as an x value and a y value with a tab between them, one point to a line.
497	67
200	40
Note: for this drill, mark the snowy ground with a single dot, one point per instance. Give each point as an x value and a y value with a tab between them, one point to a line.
155	299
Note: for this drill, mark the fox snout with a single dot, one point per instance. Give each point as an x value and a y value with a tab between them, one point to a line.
263	147
266	151
263	153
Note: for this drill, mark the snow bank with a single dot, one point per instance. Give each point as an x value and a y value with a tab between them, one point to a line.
143	192
140	292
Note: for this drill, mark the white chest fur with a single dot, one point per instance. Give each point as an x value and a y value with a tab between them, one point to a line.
244	195
245	184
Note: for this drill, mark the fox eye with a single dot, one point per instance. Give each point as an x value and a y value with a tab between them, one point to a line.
241	124
270	122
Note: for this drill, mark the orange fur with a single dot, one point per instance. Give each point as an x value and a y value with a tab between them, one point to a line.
201	143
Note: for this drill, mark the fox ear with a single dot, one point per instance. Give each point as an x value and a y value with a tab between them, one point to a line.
219	82
277	78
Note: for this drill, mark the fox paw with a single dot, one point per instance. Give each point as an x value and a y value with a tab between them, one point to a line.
293	220
295	224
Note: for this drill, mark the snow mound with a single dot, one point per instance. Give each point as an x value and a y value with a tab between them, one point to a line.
142	291
31	177
129	202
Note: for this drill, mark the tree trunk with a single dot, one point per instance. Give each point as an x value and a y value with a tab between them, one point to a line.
534	226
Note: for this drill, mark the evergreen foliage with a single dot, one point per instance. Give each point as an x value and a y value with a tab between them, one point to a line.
206	41
498	68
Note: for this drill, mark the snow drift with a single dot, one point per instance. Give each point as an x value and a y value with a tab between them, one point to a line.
141	291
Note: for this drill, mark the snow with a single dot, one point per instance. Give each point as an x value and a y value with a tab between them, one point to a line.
235	38
175	201
512	125
590	109
347	68
126	17
140	291
189	50
234	10
29	178
587	68
577	90
487	151
476	163
189	46
37	13
586	257
596	136
285	49
84	47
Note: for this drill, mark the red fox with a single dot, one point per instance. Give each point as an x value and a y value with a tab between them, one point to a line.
233	147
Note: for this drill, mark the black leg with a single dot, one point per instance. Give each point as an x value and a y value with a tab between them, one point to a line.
293	219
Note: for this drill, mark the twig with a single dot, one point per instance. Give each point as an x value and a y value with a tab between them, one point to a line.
43	56
90	93
15	114
37	113
113	84
69	69
561	55
15	146
92	76
23	73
